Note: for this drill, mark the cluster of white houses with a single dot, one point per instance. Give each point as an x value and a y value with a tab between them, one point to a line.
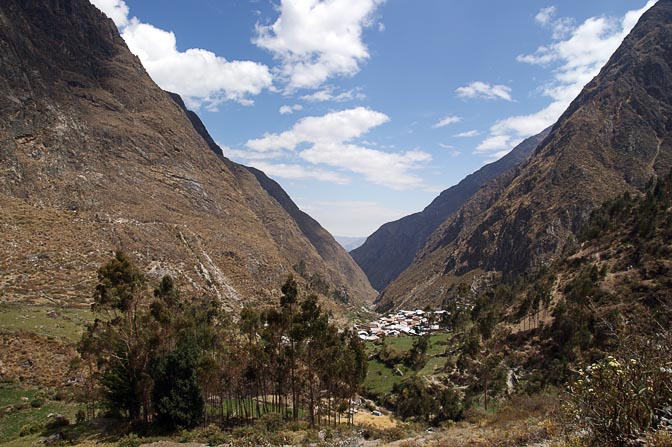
404	322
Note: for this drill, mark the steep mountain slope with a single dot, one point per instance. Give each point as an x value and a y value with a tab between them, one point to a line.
391	249
95	157
336	260
613	138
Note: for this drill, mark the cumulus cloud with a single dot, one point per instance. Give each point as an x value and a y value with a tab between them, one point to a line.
482	90
576	54
287	110
329	142
450	119
467	134
341	126
198	75
315	40
381	168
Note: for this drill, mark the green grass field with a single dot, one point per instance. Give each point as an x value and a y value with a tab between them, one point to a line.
65	322
380	378
17	412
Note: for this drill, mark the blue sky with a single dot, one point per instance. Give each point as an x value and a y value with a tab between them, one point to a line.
364	110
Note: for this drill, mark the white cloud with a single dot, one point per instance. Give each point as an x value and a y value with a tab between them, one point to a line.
478	89
198	75
327	94
351	218
287	110
117	10
333	127
247	156
497	143
450	119
295	172
467	134
545	15
576	55
532	124
328	140
381	168
561	27
316	40
260	160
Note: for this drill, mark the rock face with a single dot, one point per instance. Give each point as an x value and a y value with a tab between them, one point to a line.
391	249
95	157
613	138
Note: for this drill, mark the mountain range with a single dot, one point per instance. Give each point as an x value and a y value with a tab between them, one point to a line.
613	138
95	157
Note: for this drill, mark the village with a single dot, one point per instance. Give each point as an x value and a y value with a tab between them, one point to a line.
404	322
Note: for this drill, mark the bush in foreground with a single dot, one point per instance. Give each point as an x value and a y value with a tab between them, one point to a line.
624	398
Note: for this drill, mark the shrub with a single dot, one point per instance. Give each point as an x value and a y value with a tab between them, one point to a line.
57	421
620	399
211	435
130	440
36	403
30	429
270	422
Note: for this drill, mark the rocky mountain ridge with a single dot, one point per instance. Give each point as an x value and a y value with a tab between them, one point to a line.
95	157
613	138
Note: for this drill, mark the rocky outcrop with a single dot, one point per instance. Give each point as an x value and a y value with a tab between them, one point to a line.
95	157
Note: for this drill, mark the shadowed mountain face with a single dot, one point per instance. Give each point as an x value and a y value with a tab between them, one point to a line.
613	138
391	249
95	157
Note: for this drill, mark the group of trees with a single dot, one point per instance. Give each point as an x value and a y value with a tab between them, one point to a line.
433	404
180	362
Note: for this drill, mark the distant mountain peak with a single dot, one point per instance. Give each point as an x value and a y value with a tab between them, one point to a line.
350	243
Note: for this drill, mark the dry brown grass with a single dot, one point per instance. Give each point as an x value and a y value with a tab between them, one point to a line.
37	360
522	421
380	422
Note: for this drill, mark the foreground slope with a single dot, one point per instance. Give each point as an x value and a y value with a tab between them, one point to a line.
391	248
95	157
613	138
